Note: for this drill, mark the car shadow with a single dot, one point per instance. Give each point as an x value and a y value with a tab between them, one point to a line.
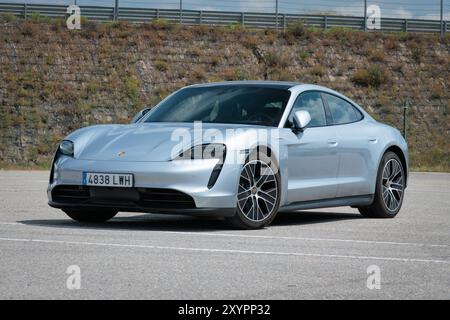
312	217
162	222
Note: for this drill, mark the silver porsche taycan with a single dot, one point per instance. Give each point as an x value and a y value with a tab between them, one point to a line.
244	150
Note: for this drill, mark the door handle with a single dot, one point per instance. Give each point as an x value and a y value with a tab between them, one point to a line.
373	139
332	142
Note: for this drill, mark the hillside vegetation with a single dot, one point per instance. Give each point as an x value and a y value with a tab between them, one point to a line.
53	80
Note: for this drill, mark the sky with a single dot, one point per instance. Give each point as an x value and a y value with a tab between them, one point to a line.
417	9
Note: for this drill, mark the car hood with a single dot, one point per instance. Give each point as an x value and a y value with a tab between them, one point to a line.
143	141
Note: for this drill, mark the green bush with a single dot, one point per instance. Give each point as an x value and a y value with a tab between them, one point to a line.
373	76
271	59
159	24
303	55
132	88
36	17
417	53
318	71
8	17
29	29
296	29
198	73
161	66
377	55
241	74
345	36
234	28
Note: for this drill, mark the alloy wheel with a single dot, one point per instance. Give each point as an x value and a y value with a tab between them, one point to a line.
392	184
258	190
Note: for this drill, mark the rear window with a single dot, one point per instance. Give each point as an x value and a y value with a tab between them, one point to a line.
341	110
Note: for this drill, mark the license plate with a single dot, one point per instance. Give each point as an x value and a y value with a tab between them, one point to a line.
107	179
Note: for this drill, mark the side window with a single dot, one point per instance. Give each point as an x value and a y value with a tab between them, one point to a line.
311	102
342	111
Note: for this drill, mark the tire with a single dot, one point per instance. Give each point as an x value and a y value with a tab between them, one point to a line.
391	184
262	193
90	215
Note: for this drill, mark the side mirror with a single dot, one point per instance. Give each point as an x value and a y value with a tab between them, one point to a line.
301	119
140	114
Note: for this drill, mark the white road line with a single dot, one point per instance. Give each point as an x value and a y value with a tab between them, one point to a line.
428	191
298	254
309	239
11	223
280	237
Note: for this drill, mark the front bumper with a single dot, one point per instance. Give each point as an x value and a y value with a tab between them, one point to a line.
187	177
219	212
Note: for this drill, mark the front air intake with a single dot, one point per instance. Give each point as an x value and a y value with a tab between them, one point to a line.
148	198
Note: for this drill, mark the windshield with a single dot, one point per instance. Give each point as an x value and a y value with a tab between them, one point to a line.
239	104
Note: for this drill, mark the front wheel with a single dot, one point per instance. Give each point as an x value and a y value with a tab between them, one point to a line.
258	197
389	189
90	215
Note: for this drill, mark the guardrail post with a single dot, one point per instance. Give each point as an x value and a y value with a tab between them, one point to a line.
157	13
116	9
284	22
406	25
365	15
276	15
243	19
326	23
442	18
405	122
181	11
25	11
200	18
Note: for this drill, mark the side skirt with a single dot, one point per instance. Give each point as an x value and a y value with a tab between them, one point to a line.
363	200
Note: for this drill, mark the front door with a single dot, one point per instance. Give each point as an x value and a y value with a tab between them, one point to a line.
313	158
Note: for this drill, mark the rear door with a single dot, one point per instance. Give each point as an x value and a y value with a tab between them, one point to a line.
312	155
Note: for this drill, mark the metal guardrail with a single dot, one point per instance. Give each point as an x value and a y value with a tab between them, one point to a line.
223	18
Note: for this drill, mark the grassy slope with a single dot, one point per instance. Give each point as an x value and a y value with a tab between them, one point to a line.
53	80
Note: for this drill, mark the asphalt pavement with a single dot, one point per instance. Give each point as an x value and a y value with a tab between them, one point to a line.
315	254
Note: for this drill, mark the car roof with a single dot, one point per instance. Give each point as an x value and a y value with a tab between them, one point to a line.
257	83
286	85
295	87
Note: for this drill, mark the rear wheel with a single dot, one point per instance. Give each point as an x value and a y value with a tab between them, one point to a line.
90	215
389	189
258	197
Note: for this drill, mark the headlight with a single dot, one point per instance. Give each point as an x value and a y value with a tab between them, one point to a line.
66	147
204	151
